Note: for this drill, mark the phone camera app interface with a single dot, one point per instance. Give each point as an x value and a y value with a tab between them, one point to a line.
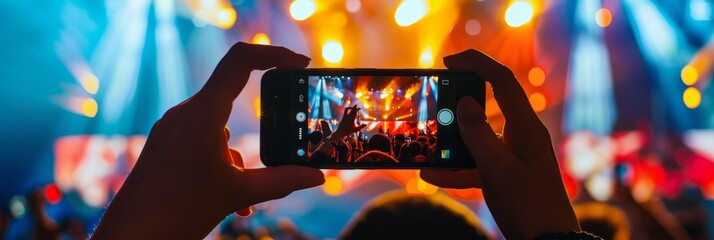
389	119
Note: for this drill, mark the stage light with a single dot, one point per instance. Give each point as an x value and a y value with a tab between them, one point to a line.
603	17
52	193
421	126
519	13
90	83
332	52
690	75
536	76
333	185
366	105
302	9
590	104
473	27
426	59
422	116
537	101
261	38
170	63
226	18
410	12
89	107
692	97
353	6
326	113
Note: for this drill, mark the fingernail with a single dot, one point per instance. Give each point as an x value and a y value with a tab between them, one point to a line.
245	212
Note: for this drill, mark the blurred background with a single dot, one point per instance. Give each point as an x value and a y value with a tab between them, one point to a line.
623	86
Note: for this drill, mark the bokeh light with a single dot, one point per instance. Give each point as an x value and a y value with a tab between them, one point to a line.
426	59
90	83
519	13
353	6
538	101
472	27
689	75
339	19
18	206
226	18
302	9
333	185
410	12
332	51
52	193
89	107
536	76
603	17
692	97
261	38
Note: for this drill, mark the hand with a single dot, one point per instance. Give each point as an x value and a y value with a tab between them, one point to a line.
519	176
187	179
347	125
326	130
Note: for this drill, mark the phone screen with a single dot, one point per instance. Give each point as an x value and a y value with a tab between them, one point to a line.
409	118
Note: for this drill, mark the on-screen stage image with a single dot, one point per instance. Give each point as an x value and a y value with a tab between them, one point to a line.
398	114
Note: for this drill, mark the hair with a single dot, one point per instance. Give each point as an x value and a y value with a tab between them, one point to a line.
379	142
414	148
343	150
409	151
399	137
398	215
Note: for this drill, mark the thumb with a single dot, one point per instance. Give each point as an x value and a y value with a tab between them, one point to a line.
478	136
270	183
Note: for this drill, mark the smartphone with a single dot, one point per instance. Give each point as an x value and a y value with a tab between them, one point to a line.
410	117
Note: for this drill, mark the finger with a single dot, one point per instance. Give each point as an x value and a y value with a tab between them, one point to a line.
232	73
325	128
344	113
487	150
452	179
508	92
277	182
360	127
237	158
353	113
